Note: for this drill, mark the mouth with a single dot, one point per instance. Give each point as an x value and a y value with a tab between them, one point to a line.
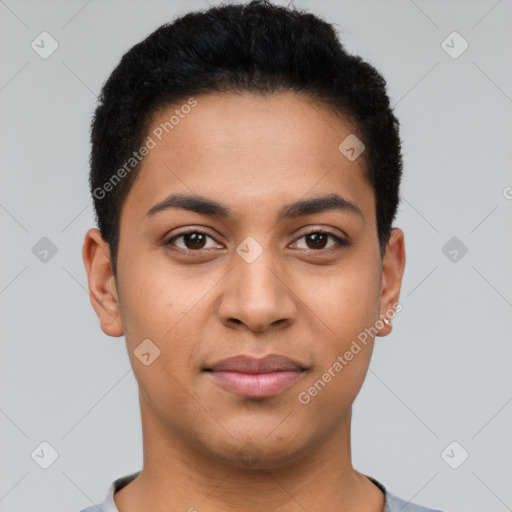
256	378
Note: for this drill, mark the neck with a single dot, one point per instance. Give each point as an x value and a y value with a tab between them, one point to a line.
179	475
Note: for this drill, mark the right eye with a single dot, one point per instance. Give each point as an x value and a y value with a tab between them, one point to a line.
193	240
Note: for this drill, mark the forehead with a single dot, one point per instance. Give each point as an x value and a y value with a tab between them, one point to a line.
243	148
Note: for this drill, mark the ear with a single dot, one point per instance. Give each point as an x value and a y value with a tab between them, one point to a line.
393	265
102	286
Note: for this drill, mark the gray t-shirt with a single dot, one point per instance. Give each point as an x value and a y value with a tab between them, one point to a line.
392	503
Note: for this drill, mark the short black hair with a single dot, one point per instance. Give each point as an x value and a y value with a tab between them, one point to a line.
253	47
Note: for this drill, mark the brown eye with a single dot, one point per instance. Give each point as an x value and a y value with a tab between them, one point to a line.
318	240
192	241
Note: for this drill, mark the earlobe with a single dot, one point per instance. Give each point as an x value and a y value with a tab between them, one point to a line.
102	289
393	266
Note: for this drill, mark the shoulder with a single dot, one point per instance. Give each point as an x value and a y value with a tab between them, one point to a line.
396	504
108	504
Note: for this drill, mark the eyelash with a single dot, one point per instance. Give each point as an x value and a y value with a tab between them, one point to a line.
340	241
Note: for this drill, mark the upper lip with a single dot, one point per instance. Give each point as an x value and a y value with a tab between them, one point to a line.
250	364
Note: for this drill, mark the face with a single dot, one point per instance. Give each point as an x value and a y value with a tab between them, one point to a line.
249	265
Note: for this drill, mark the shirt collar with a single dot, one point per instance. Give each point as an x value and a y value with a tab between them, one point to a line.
109	505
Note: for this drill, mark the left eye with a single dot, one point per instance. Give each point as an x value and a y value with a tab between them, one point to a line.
194	238
316	240
319	238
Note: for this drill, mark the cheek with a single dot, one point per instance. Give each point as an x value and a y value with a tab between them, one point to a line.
155	307
345	307
164	307
153	299
345	301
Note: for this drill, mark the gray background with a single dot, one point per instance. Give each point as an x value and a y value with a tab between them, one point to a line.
444	373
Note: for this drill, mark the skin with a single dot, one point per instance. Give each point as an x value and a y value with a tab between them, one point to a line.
204	446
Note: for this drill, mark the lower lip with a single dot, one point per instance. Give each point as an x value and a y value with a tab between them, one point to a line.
257	385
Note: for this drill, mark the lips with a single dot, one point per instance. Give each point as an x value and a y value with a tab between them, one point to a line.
256	378
249	364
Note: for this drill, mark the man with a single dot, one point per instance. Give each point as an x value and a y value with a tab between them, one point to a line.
245	171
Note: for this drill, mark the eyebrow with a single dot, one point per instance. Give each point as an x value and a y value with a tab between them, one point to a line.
204	206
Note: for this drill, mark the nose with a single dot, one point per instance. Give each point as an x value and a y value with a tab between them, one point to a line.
257	295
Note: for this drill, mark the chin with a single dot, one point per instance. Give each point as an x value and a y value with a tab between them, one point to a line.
258	454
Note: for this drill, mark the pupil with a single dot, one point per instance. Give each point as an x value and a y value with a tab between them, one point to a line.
195	239
315	238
